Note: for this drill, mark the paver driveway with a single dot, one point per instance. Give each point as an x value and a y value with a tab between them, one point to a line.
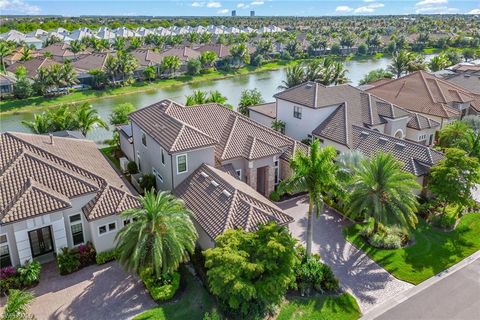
358	274
94	292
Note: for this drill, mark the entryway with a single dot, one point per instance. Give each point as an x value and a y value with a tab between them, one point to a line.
261	179
41	242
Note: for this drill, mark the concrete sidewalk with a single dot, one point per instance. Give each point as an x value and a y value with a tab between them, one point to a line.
358	274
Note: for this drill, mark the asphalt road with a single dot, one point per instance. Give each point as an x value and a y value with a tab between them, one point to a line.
456	297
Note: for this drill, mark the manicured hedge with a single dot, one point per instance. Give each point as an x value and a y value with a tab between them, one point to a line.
106	256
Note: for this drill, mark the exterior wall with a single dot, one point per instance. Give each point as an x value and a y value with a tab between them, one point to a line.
106	241
414	135
394	125
260	118
195	159
299	129
338	146
238	164
204	240
126	147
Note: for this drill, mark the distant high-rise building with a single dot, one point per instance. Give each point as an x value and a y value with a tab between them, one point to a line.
252	13
234	13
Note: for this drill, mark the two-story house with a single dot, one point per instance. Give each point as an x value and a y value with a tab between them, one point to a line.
171	141
337	114
56	192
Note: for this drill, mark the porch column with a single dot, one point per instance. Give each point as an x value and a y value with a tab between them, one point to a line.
269	180
251	174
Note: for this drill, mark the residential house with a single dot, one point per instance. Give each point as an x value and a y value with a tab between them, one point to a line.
468	80
147	57
171	141
219	201
184	53
89	62
60	52
265	113
32	65
432	97
106	34
7	81
221	50
21	38
56	193
338	114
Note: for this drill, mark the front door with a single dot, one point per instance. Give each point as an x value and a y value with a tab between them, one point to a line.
41	241
261	180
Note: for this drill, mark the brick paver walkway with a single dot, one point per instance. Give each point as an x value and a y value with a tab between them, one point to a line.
358	274
94	292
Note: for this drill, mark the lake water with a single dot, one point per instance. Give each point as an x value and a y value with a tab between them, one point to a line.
267	82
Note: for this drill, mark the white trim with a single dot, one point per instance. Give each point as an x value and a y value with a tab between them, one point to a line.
186	162
106	228
239	173
75	223
162	156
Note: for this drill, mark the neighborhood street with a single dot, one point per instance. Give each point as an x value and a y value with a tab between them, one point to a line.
455	297
367	281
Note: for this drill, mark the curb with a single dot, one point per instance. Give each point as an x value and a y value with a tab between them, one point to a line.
401	297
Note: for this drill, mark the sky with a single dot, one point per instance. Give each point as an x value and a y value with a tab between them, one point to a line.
224	8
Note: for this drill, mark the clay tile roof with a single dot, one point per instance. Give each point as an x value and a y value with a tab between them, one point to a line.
178	128
417	158
39	177
32	65
268	109
420	122
231	204
424	93
468	80
221	50
183	52
91	61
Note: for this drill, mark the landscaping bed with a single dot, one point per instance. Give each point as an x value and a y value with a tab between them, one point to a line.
23	277
433	251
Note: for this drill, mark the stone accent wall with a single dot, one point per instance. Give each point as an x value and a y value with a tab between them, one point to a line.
251	175
285	171
269	180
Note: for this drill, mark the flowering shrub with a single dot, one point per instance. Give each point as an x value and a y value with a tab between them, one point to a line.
87	254
7	272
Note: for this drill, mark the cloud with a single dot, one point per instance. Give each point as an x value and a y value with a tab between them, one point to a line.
369	0
222	11
474	11
343	9
214	5
369	8
430	2
198	4
241	5
257	3
436	10
18	6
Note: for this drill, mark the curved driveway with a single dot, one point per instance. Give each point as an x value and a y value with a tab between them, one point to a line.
358	274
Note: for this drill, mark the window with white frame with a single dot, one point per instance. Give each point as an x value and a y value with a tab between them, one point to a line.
144	139
182	165
239	173
422	137
163	157
139	162
276	171
297	112
5	259
76	229
107	228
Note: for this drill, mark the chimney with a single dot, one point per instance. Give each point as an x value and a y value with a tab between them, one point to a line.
51	139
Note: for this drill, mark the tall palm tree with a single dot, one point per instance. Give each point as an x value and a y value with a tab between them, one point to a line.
453	135
197	97
385	192
161	234
5	50
216	97
76	46
87	117
17	306
170	64
294	76
111	68
313	173
26	54
208	59
69	75
40	124
438	63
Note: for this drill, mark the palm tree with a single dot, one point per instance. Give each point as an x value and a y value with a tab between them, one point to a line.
383	191
40	124
335	73
294	76
150	73
26	54
76	46
17	306
400	63
453	135
111	68
438	63
170	64
5	50
313	173
197	97
240	54
216	97
87	117
69	75
208	59
161	234
126	64
278	125
119	44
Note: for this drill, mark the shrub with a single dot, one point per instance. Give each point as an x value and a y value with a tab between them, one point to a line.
161	289
148	182
329	282
212	316
30	273
87	254
312	274
132	167
275	195
7	272
448	219
8	280
68	261
387	237
194	66
106	256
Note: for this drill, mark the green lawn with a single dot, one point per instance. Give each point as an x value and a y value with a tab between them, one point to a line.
432	252
107	152
343	307
34	103
192	304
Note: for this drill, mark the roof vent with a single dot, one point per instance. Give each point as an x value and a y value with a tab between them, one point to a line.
204	174
383	139
308	85
214	183
226	193
467	75
400	145
364	133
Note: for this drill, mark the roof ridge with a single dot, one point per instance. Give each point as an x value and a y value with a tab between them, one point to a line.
441	91
14	159
230	209
229	137
346	123
426	86
15	198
